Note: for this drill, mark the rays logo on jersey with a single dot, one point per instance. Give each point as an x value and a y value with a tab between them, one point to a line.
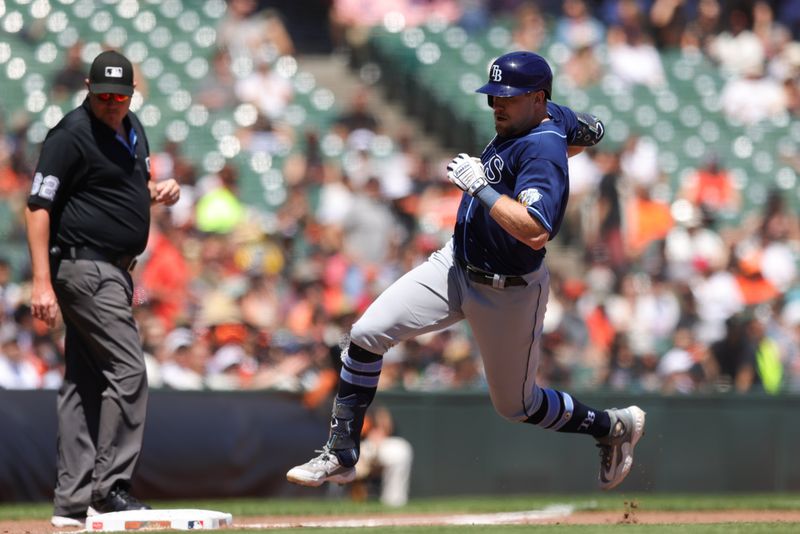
494	169
529	197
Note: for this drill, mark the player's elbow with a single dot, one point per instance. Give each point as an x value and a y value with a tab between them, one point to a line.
538	240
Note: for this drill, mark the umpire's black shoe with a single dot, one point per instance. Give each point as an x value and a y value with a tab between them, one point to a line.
118	500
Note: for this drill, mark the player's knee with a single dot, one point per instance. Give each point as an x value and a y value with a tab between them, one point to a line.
369	339
510	411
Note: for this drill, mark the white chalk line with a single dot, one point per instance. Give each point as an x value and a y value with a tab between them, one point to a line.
503	518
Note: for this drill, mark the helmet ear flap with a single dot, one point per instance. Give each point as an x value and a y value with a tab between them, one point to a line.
490	99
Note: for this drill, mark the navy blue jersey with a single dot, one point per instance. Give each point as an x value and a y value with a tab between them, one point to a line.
531	168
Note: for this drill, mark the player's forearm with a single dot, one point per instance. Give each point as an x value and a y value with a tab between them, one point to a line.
38	230
514	218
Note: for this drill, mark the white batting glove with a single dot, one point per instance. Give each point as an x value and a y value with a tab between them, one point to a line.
467	173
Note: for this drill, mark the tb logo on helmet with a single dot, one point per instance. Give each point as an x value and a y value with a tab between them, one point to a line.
518	73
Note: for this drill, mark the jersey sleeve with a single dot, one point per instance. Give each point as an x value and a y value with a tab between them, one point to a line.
55	170
540	188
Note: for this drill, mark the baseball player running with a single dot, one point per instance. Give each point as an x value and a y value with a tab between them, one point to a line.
492	274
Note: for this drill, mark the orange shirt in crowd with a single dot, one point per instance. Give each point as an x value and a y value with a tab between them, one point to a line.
714	190
165	279
647	221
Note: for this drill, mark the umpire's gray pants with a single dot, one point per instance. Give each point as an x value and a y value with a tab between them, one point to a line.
103	400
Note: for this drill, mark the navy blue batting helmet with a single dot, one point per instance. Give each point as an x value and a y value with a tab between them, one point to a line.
517	73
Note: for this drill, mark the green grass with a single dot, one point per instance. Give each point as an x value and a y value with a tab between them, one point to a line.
242	508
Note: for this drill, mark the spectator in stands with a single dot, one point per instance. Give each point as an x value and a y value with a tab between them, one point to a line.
165	274
11	293
638	162
669	19
68	80
633	58
711	189
266	136
245	31
622	372
737	99
577	28
686	365
603	225
214	91
772	34
351	20
17	371
358	115
369	228
648	222
529	29
718	298
183	364
399	169
692	246
231	365
583	68
703	27
219	209
585	176
16	156
261	302
737	50
266	88
766	262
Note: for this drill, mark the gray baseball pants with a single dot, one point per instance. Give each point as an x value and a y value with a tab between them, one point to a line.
507	323
103	400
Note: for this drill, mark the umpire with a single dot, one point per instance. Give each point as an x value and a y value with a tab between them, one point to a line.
88	217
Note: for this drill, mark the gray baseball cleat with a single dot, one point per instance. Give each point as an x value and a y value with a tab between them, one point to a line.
320	469
616	449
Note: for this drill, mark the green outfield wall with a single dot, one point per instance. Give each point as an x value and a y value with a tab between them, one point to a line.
719	443
231	444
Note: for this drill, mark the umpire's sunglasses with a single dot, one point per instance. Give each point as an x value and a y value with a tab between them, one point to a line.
116	97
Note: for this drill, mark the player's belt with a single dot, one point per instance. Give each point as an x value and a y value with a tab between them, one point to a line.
498	281
126	262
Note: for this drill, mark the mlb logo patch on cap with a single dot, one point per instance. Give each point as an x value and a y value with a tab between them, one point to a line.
111	72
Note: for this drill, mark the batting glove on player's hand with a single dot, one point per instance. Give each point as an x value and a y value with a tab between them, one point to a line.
467	173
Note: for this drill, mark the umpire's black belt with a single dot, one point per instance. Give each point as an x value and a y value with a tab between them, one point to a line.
126	262
495	280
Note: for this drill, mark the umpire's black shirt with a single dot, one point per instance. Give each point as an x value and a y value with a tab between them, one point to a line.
95	184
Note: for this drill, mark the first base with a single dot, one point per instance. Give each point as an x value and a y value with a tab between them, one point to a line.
158	519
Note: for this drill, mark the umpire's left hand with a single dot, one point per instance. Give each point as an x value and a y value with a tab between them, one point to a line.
167	192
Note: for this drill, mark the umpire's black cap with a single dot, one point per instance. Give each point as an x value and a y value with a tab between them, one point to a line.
111	72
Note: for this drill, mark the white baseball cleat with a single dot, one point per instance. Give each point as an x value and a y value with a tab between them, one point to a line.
77	520
63	521
616	449
321	469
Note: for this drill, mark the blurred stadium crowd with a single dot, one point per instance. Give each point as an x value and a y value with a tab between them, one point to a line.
657	287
